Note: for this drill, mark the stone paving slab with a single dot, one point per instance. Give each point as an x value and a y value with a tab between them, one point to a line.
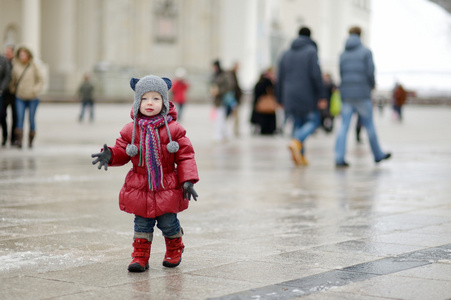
260	224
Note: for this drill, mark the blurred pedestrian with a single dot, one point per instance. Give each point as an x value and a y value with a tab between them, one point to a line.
27	82
238	93
264	121
5	78
86	95
164	172
300	90
179	91
399	99
327	119
358	129
357	81
223	94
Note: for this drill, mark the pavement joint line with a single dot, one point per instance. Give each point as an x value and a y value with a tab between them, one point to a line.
320	282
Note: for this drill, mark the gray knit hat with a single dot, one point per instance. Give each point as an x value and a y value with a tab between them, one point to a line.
151	83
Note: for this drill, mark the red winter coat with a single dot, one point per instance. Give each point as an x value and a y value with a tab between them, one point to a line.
135	196
179	88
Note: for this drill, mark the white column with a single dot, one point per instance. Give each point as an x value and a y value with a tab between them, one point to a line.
66	36
238	34
31	20
254	42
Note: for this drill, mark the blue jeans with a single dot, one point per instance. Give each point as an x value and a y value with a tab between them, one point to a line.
84	104
21	106
397	109
364	109
167	223
305	125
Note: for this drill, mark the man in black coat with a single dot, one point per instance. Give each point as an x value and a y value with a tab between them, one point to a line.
7	98
300	90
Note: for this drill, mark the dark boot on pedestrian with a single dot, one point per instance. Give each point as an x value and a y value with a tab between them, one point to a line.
31	138
13	138
140	255
174	250
357	134
386	156
19	135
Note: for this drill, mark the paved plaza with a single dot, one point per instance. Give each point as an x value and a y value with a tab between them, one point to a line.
261	228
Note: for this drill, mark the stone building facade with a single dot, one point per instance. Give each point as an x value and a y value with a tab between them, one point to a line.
117	39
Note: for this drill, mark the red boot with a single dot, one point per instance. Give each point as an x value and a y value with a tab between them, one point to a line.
140	256
174	250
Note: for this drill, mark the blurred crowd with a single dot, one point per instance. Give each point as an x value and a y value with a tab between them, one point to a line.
295	93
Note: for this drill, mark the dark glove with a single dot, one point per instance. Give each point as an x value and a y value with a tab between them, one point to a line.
188	191
103	158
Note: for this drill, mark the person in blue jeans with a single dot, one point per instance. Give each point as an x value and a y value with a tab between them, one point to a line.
300	90
357	82
26	82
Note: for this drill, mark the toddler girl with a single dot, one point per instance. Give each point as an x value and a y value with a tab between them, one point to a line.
160	184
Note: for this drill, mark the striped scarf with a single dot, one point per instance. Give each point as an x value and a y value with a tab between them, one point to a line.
150	141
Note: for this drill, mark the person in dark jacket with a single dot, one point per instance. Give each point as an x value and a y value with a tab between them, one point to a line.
327	120
6	98
238	93
300	91
222	90
357	81
265	123
86	95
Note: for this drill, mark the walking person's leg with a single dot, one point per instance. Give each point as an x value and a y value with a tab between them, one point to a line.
311	122
236	120
179	111
365	110
33	106
398	111
340	144
20	113
83	108
91	106
220	130
358	128
12	102
295	145
3	116
303	127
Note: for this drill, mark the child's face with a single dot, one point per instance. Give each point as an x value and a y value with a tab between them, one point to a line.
151	104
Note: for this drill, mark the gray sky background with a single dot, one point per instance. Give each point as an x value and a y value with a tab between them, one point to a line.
411	43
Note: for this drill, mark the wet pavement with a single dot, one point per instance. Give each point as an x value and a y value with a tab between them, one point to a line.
261	228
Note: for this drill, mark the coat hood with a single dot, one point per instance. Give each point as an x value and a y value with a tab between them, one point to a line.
22	47
353	42
301	42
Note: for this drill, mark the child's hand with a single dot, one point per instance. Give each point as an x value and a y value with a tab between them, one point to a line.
103	158
188	191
